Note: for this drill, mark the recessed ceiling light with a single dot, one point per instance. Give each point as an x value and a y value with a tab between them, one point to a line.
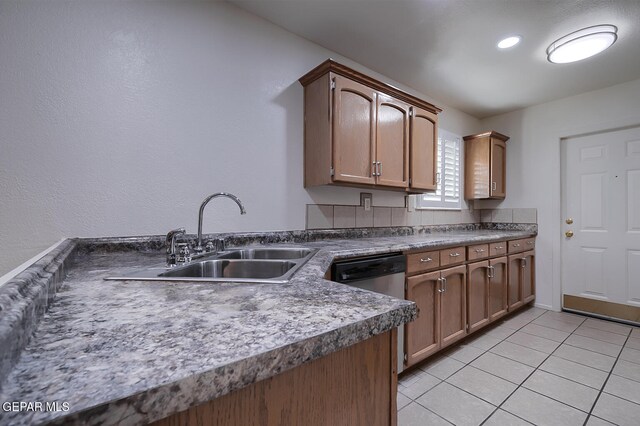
509	42
582	44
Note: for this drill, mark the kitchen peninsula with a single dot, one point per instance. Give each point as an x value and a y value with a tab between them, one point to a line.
134	352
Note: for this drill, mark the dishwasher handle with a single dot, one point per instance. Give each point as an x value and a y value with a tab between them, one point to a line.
362	269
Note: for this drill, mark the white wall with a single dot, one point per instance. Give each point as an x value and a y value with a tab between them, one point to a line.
533	163
118	118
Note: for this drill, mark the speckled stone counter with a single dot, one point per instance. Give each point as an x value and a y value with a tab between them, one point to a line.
130	352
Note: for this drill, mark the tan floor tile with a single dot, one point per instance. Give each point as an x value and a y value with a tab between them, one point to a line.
585	357
466	410
483	385
420	386
443	367
623	388
541	410
465	353
533	342
519	353
593	345
571	393
505	368
627	369
573	371
605	336
631	355
609	326
617	410
502	418
416	415
546	332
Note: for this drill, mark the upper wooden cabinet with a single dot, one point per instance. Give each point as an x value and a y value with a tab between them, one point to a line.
359	131
485	166
424	145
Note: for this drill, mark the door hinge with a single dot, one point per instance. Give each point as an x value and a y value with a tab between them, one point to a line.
333	84
331	171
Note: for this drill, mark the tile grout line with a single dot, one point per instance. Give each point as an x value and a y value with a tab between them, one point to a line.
607	380
527	378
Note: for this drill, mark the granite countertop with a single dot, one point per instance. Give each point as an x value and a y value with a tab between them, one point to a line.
131	352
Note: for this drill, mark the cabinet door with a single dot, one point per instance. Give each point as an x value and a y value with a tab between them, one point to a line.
515	282
424	147
422	336
392	142
453	305
477	295
354	132
498	168
498	288
528	276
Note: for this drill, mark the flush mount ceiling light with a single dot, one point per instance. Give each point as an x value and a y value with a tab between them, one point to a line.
582	44
508	42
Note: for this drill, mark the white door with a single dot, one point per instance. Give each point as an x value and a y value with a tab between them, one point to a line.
601	193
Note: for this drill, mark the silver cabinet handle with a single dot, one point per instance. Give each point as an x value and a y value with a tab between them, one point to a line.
530	243
479	250
490	272
499	247
379	168
444	280
428	259
494	186
454	254
374	170
516	245
524	262
440	281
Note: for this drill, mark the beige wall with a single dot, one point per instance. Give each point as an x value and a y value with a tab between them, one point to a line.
534	167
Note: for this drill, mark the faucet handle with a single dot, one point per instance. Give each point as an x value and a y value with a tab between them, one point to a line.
171	236
184	254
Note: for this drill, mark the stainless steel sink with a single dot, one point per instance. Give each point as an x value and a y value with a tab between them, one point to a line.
222	268
266	253
262	265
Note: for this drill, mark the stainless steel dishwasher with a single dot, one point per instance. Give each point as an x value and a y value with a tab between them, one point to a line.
382	274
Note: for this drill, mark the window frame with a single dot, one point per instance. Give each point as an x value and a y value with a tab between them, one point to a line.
426	200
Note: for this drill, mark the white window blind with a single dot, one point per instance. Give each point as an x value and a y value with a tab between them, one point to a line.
448	167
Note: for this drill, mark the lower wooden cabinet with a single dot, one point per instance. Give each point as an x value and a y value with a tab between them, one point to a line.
441	300
422	336
498	304
486	292
459	300
521	279
478	295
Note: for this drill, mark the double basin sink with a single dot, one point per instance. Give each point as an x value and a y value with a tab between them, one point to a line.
268	265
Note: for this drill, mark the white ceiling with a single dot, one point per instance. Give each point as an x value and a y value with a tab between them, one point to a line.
446	48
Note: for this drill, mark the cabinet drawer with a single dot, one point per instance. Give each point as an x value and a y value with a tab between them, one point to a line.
420	262
516	246
452	256
530	244
498	249
479	251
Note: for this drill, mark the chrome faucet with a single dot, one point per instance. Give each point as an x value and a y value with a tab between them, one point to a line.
171	246
199	248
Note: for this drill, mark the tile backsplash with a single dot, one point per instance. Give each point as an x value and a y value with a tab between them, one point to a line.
327	216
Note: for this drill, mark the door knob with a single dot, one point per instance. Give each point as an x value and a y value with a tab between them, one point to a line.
569	221
568	234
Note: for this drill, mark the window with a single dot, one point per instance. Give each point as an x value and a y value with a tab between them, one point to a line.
449	169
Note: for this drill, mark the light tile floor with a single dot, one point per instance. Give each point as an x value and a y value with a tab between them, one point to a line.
537	367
